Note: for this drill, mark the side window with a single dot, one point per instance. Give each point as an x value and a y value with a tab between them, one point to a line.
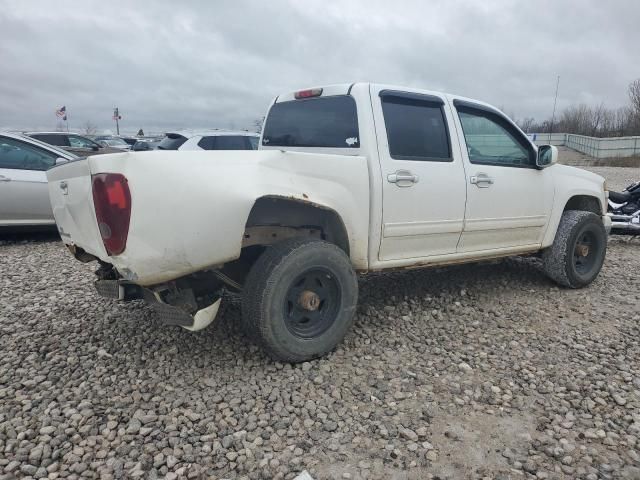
15	154
491	140
253	142
206	143
79	142
416	128
224	142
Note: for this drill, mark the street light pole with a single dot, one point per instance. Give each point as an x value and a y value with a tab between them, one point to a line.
116	117
553	115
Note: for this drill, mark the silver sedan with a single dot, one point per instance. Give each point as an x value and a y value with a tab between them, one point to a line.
24	197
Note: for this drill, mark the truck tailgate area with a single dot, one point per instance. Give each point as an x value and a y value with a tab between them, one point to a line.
72	202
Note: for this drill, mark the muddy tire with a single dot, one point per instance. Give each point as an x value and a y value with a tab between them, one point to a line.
578	251
299	299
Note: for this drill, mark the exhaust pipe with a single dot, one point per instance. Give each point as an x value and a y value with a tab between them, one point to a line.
624	218
624	228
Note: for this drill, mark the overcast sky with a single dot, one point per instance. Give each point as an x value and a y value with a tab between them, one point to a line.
170	65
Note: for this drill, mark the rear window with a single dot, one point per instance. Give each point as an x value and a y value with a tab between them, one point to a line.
172	141
225	142
330	122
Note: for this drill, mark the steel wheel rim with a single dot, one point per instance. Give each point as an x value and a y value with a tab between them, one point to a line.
311	303
585	252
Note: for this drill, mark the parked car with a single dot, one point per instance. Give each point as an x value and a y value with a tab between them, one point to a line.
24	196
209	140
144	144
72	142
348	178
131	141
112	142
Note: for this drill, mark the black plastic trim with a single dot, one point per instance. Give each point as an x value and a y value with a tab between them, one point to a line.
477	106
419	97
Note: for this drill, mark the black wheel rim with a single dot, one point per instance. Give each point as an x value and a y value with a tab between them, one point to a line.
311	303
585	252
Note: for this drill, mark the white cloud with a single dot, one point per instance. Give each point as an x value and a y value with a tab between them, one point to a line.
218	64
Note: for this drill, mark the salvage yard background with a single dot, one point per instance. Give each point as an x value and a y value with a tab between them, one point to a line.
485	370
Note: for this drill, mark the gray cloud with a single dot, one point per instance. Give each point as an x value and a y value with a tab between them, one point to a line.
218	64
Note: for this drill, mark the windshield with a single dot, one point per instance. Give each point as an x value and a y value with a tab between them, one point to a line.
116	142
172	141
52	148
330	122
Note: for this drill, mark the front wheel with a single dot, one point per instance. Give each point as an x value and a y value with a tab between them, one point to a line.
577	254
299	299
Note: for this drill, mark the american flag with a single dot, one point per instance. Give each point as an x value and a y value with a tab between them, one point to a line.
62	113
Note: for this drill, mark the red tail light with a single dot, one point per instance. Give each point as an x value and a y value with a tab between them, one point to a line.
314	92
112	202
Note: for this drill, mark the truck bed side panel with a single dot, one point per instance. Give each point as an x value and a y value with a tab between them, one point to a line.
189	209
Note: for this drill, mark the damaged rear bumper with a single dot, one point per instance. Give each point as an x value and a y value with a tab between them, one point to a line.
168	314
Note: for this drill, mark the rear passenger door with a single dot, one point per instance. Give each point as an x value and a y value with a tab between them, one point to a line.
423	175
509	199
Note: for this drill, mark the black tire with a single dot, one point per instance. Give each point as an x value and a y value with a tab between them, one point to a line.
299	299
578	251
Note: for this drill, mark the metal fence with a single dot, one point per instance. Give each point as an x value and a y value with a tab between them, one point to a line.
614	147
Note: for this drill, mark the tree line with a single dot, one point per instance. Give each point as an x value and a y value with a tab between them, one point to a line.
598	121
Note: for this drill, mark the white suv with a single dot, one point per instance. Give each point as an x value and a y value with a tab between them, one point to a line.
209	140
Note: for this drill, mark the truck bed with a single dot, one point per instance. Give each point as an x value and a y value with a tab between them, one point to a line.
189	209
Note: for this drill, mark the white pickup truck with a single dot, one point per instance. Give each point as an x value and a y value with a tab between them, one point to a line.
348	179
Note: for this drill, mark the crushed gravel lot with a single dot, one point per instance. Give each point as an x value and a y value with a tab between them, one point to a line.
474	371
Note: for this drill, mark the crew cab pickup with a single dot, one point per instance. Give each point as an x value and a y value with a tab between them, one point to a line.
348	179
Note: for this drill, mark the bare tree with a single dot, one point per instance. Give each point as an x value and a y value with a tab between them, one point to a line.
597	116
597	121
634	95
526	124
257	124
89	128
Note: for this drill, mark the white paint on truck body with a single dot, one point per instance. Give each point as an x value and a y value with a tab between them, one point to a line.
189	209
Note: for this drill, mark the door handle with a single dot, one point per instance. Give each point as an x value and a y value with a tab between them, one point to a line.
481	180
403	178
4	179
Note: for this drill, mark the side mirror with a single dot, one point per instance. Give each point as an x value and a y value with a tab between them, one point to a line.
95	148
60	160
547	156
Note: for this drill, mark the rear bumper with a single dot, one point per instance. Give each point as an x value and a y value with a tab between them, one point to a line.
168	314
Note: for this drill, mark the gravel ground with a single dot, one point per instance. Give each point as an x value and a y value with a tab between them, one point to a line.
476	371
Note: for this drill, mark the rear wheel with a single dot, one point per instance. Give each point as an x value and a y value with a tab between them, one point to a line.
578	251
299	299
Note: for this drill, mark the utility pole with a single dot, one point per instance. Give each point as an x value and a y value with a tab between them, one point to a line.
117	117
553	115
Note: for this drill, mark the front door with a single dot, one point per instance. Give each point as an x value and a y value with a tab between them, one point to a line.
24	195
422	175
509	200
